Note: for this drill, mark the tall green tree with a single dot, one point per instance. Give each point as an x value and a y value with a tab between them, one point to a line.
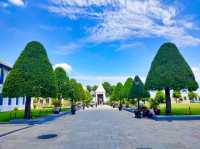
32	76
108	87
62	82
81	91
168	71
88	97
76	93
127	88
138	90
117	94
72	84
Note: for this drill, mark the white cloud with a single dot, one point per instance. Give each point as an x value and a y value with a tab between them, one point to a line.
4	5
65	66
17	2
127	46
123	19
68	49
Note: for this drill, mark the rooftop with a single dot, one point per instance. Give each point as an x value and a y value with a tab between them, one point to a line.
100	88
5	64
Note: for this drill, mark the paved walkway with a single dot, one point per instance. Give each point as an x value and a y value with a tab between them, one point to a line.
105	128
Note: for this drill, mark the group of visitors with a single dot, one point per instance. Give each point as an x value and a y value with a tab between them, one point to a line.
145	112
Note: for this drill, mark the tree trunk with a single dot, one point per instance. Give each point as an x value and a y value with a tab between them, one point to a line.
138	103
27	113
120	105
168	101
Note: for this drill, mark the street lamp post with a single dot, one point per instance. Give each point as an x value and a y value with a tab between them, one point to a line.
138	101
120	105
189	107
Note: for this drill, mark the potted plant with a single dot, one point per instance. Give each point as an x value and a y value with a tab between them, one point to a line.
57	106
154	105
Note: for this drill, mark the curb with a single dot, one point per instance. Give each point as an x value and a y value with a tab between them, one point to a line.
40	120
176	117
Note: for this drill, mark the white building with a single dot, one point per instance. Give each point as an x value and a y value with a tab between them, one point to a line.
184	96
8	104
100	95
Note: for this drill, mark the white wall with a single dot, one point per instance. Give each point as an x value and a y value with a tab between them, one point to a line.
6	107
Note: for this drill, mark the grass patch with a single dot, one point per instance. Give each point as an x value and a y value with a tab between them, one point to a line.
7	116
182	109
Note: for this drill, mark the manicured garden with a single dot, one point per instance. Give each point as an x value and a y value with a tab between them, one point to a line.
182	109
169	71
19	114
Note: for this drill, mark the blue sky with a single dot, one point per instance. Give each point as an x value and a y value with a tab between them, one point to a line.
101	40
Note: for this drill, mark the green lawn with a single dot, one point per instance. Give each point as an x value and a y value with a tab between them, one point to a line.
182	109
7	116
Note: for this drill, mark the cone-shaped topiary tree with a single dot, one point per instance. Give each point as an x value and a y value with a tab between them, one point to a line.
117	93
138	90
169	70
32	76
127	87
62	82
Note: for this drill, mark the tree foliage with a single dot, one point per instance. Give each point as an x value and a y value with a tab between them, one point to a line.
62	82
169	69
138	89
153	103
127	88
117	93
192	95
108	87
177	94
89	88
160	97
76	91
88	97
94	88
32	74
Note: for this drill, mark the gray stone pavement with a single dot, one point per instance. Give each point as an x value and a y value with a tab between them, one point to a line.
5	128
106	128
